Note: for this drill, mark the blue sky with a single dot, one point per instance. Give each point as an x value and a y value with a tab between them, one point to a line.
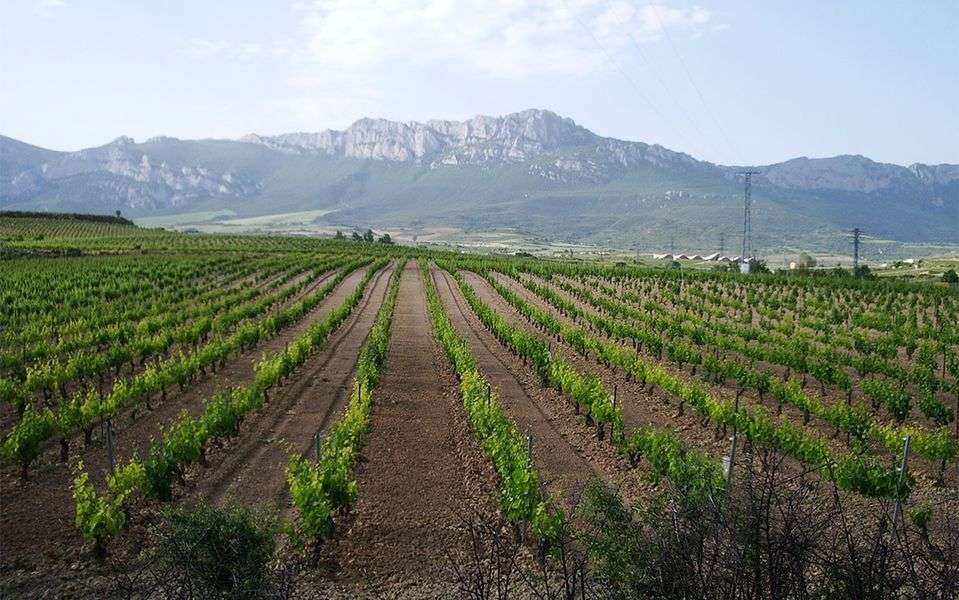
732	82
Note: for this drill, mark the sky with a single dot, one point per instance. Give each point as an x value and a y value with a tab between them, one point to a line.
732	82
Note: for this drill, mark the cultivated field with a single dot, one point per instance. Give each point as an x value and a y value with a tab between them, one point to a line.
364	419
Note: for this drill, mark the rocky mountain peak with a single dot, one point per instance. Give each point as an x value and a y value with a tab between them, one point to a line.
517	136
524	155
161	139
935	174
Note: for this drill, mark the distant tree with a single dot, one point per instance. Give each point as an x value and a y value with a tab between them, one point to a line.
357	237
385	239
368	236
865	273
118	212
339	235
759	266
950	276
805	262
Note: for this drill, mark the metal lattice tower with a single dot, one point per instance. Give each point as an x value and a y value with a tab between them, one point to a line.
855	251
722	242
747	214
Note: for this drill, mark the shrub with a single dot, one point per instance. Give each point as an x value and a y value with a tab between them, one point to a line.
221	552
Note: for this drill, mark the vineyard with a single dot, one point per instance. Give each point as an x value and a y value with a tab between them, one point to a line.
377	419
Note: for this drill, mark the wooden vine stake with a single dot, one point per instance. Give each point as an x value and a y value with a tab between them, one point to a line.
111	459
529	447
902	475
732	453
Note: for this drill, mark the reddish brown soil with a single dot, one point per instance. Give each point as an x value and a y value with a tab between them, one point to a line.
419	470
252	471
660	408
566	452
832	393
8	415
42	509
641	407
818	427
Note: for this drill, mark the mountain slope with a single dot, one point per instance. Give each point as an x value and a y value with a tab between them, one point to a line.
532	171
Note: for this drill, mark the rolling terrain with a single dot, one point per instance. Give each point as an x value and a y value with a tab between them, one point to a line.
407	422
531	172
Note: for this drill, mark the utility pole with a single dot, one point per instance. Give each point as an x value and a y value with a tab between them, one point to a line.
855	251
747	216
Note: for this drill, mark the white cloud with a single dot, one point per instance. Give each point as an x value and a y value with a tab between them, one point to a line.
206	48
495	38
48	8
343	53
330	99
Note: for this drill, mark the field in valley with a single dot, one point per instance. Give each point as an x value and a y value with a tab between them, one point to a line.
425	423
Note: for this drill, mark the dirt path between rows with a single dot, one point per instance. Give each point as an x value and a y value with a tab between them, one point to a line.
252	471
724	390
641	407
420	470
658	408
238	371
36	519
8	415
566	454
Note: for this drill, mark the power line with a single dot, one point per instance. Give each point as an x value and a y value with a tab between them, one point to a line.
616	66
652	68
702	99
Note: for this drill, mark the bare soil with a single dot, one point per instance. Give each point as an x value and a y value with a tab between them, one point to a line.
36	517
642	407
565	451
252	471
419	471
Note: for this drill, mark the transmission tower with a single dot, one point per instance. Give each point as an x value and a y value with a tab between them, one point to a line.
722	242
747	214
855	251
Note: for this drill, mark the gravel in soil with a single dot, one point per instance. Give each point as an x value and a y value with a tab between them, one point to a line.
659	409
39	539
252	470
420	470
566	452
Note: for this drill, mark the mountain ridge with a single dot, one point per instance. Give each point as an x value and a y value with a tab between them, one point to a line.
521	171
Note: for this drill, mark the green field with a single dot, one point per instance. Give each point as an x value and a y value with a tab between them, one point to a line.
245	414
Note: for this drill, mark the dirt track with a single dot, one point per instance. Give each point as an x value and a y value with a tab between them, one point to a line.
36	519
420	468
564	451
252	471
641	407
